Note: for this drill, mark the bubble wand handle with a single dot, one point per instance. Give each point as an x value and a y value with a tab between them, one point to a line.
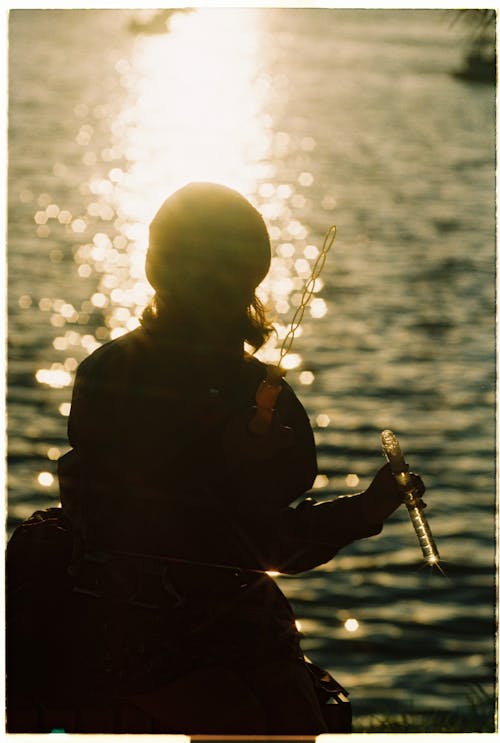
412	498
270	387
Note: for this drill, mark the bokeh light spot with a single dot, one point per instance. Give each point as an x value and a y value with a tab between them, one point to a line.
351	624
56	377
322	420
306	377
318	307
321	481
352	480
46	479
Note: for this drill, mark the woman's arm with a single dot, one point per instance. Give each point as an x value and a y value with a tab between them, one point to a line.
279	468
299	539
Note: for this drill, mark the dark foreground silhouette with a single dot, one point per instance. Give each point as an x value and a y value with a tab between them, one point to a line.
143	605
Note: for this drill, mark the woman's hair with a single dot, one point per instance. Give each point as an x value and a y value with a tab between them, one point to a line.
252	325
208	250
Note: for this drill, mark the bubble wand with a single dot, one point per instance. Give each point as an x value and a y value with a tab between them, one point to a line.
270	387
412	497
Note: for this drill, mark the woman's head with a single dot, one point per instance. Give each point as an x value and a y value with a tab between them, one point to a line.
208	250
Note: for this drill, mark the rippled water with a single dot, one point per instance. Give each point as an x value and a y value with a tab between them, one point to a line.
320	116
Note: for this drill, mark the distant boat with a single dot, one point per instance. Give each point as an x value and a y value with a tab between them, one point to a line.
154	23
480	66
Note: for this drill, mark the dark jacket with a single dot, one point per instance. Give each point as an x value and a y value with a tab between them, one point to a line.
166	466
169	466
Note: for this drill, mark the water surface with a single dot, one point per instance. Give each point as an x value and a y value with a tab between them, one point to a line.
319	116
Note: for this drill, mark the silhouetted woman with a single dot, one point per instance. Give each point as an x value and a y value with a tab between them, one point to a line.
179	509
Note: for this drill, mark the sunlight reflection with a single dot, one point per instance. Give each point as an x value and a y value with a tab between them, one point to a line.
55	377
46	479
321	481
352	480
322	420
197	103
351	624
306	377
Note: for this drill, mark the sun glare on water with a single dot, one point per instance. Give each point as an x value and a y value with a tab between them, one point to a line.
196	103
194	112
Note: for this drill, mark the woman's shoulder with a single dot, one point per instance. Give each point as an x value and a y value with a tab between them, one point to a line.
253	365
113	352
259	370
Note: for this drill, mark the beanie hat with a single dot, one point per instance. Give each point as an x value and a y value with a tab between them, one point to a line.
207	233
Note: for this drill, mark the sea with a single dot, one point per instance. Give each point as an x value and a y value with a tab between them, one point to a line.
321	117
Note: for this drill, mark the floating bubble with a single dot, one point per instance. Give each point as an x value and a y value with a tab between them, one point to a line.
352	480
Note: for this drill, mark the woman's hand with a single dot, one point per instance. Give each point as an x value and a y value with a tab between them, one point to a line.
383	496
